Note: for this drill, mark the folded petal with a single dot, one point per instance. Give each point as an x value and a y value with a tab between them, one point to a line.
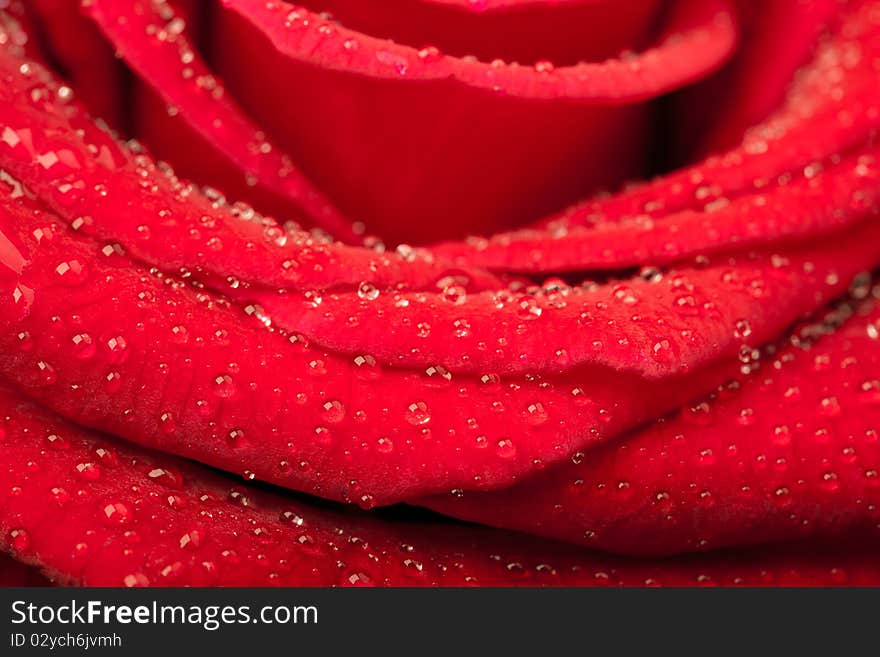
831	112
787	452
85	59
816	201
133	303
656	325
151	39
421	145
525	31
88	510
143	356
103	188
752	85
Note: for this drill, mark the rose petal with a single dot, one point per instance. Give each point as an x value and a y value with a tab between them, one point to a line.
790	451
106	341
179	370
91	511
752	85
833	109
566	420
817	201
84	57
525	31
153	43
104	189
421	145
673	322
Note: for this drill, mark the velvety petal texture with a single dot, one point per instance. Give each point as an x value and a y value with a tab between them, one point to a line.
420	144
359	251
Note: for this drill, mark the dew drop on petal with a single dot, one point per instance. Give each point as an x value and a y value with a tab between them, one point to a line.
505	448
19	540
418	413
115	513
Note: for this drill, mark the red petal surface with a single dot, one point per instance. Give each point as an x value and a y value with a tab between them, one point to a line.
673	322
832	110
85	59
421	145
788	452
814	202
561	414
529	31
177	369
88	510
135	304
752	85
748	312
153	43
104	189
693	28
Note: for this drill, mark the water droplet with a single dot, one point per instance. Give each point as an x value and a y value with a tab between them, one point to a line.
83	346
438	375
830	482
535	414
742	329
357	579
429	54
224	386
88	471
333	411
701	414
367	367
830	407
118	348
46	374
57	442
166	477
454	294
136	580
235	437
107	456
291	518
662	352
191	539
25	341
782	435
112	382
527	308
746	417
506	449
19	540
167	423
179	334
367	291
115	513
72	272
782	496
418	413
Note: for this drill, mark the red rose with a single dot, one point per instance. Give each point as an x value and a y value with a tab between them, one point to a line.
680	366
